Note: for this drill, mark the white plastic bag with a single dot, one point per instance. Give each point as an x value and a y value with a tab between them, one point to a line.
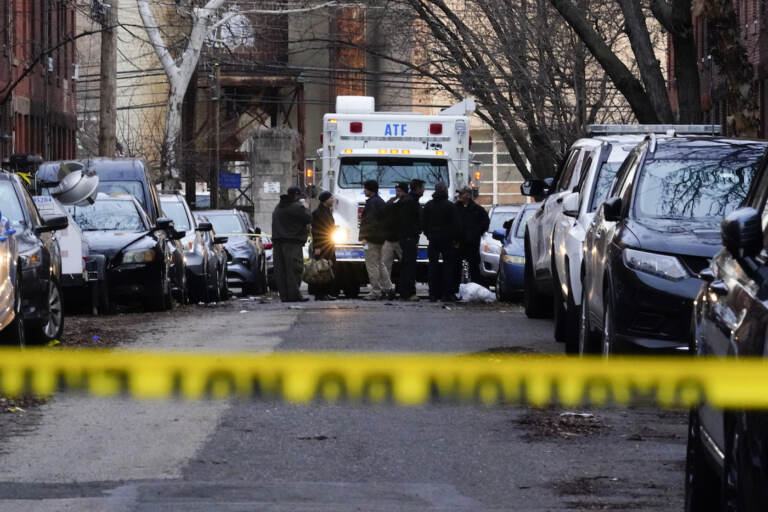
473	292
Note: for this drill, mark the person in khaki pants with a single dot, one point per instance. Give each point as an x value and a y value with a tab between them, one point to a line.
391	248
372	237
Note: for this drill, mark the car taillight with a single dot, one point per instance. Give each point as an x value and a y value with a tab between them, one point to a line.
268	245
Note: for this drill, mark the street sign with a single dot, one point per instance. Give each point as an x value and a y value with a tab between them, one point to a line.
271	187
229	180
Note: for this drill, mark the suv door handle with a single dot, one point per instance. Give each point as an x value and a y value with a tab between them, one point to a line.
718	287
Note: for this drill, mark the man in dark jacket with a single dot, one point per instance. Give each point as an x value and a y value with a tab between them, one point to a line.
391	248
408	215
442	227
372	236
474	222
290	221
323	246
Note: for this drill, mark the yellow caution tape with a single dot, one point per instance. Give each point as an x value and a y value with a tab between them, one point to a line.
406	379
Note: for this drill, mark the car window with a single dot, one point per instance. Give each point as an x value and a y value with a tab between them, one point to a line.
624	174
499	217
565	178
34	215
227	223
177	213
602	184
10	205
692	189
524	216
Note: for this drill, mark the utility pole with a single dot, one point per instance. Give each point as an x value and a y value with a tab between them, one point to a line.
108	81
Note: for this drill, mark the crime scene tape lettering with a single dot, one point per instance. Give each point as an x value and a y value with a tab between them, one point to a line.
379	378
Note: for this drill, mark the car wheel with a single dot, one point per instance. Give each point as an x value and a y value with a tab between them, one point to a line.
44	332
536	304
259	286
586	337
223	285
105	305
701	482
608	341
502	295
14	334
744	490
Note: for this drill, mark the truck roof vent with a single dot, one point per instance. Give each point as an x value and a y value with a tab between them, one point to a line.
355	105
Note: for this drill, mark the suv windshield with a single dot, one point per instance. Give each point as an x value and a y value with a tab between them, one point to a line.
389	171
108	215
686	189
10	207
226	224
177	213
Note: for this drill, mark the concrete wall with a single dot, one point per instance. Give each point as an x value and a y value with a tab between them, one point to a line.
273	158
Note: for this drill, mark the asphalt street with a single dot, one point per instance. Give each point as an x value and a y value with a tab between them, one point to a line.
85	454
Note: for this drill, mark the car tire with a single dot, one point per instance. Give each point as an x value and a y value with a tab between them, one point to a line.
536	304
14	333
743	487
223	286
259	286
587	339
572	312
502	294
44	332
105	305
558	309
702	486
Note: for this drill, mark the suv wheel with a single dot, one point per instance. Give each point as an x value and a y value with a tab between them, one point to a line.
537	305
586	337
44	332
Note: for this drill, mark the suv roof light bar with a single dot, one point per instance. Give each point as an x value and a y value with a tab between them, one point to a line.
665	129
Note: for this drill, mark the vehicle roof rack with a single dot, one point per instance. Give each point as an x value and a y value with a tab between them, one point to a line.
664	129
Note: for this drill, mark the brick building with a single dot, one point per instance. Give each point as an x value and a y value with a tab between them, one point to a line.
38	116
753	24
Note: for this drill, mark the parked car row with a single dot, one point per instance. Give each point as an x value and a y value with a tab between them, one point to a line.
98	231
658	243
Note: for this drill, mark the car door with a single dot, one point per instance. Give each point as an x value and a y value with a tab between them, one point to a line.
544	219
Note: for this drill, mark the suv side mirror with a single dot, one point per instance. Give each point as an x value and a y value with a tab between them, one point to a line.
741	233
612	209
163	223
571	204
500	235
178	235
220	239
536	188
56	223
204	226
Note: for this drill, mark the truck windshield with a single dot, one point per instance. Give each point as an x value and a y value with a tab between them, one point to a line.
390	171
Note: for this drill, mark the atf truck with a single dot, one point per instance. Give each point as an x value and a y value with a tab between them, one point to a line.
390	147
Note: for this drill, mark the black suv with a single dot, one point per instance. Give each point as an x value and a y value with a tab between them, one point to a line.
653	235
40	260
728	450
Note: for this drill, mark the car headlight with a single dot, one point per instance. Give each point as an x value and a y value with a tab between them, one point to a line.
659	265
515	260
139	256
340	235
33	258
491	248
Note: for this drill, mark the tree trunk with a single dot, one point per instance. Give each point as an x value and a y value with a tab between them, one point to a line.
172	134
647	63
629	86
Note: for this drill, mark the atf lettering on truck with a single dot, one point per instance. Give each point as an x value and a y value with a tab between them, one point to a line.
391	129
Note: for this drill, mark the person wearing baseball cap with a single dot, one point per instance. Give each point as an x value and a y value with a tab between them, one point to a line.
290	223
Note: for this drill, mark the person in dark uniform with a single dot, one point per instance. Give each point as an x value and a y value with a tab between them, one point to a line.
322	242
290	220
440	221
409	220
474	222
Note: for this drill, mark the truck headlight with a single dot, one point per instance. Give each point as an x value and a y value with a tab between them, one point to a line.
659	265
139	256
340	235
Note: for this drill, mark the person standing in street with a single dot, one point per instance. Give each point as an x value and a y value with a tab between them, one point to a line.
474	222
290	220
409	221
440	221
372	236
391	248
323	246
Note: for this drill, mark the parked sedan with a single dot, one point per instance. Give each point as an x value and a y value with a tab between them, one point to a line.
11	318
490	248
137	258
218	288
509	278
653	235
247	264
40	258
727	456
